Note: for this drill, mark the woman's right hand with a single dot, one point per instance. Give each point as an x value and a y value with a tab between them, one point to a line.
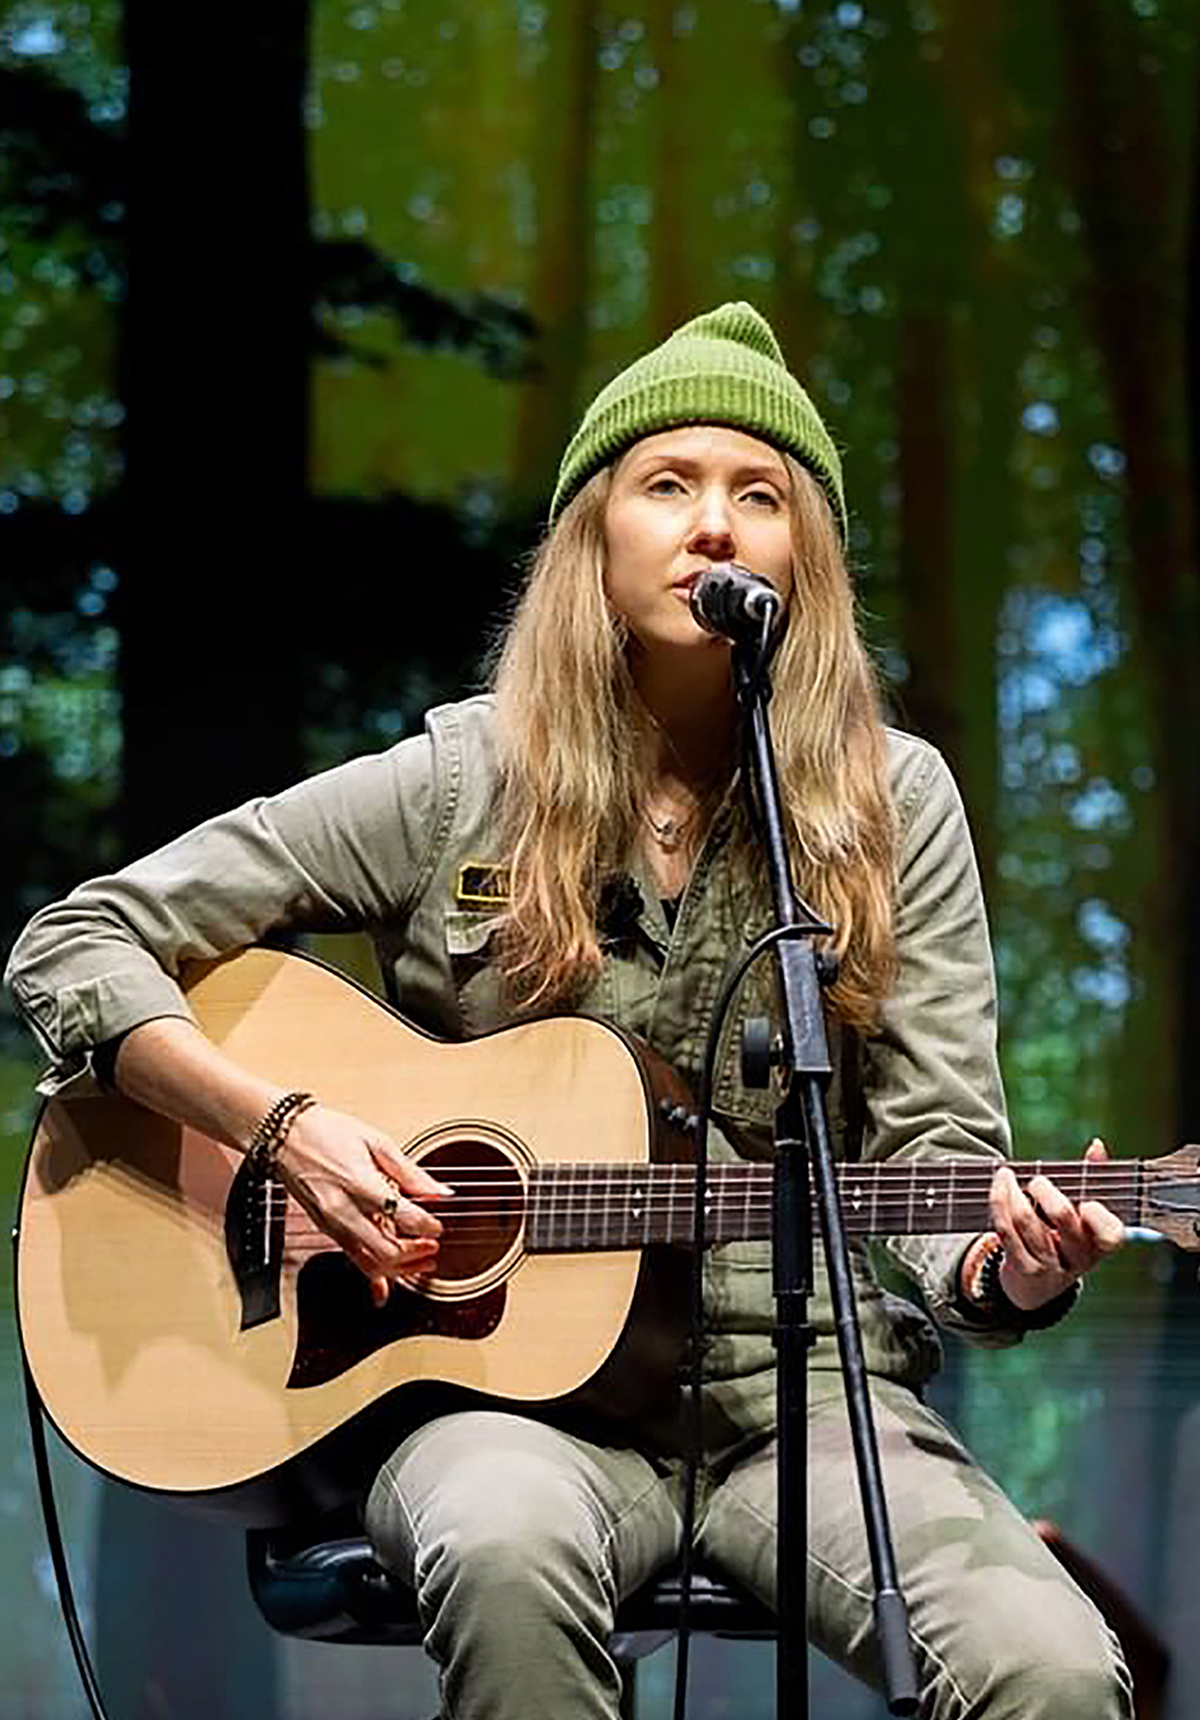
351	1179
355	1183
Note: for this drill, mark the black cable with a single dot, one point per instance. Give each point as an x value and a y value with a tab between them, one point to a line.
58	1555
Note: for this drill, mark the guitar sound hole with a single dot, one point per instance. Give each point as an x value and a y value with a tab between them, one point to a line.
483	1220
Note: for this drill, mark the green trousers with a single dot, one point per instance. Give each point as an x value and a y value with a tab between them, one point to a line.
520	1540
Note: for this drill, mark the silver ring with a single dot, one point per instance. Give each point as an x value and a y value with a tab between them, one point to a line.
390	1207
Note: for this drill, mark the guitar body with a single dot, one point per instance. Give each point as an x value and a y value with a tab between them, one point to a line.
190	1330
148	1353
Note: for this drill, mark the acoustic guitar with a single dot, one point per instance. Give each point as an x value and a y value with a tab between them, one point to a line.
191	1330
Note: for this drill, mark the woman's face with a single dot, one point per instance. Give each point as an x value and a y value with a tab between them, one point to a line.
680	501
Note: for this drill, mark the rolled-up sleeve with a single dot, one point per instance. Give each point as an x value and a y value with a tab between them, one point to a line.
340	852
932	1087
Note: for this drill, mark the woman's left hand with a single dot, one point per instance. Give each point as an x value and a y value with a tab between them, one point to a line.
1049	1242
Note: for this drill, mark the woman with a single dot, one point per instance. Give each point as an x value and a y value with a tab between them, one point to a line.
579	842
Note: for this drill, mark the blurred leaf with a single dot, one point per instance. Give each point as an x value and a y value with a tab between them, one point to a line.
350	274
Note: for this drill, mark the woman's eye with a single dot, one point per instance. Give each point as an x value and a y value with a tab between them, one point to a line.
665	487
763	498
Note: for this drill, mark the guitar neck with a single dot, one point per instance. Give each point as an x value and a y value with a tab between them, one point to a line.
592	1207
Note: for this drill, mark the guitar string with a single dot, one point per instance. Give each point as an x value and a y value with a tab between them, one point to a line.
896	1218
756	1173
882	1217
600	1200
656	1187
743	1190
894	1214
883	1168
943	1170
566	1243
653	1175
757	1185
477	1209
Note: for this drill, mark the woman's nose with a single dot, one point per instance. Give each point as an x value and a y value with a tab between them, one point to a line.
711	529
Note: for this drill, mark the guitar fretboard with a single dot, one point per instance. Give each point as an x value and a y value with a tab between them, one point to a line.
589	1207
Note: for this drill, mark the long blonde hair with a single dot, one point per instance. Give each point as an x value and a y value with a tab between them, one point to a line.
574	766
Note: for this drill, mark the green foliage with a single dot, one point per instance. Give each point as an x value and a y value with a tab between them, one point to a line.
61	202
1019	1426
59	749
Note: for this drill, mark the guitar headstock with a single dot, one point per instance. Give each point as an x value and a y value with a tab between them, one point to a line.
1170	1200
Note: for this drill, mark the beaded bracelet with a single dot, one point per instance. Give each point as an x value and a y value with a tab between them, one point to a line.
979	1290
266	1143
985	1297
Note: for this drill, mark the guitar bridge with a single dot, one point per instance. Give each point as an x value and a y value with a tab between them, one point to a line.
254	1226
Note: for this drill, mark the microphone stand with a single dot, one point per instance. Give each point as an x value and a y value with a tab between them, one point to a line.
802	1135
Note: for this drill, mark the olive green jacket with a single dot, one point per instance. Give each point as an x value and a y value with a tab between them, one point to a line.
378	845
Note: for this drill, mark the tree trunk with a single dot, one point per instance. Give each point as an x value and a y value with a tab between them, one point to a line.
559	293
1189	925
214	594
924	405
1122	183
215	589
1129	196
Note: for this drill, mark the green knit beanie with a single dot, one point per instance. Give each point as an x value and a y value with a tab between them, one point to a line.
724	367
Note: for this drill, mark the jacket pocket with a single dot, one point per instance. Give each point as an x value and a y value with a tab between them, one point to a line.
469	952
469	932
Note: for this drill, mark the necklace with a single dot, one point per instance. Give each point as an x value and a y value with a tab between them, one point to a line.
670	832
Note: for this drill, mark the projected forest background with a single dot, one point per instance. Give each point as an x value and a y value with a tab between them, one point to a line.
298	306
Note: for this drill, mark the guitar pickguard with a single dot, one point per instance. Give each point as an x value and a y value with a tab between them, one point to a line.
338	1325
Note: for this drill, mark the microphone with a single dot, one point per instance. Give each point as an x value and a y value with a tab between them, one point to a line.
732	601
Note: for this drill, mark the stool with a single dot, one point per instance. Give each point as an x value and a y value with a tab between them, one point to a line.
328	1586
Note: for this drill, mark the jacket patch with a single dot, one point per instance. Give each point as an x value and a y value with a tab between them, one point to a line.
482	884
